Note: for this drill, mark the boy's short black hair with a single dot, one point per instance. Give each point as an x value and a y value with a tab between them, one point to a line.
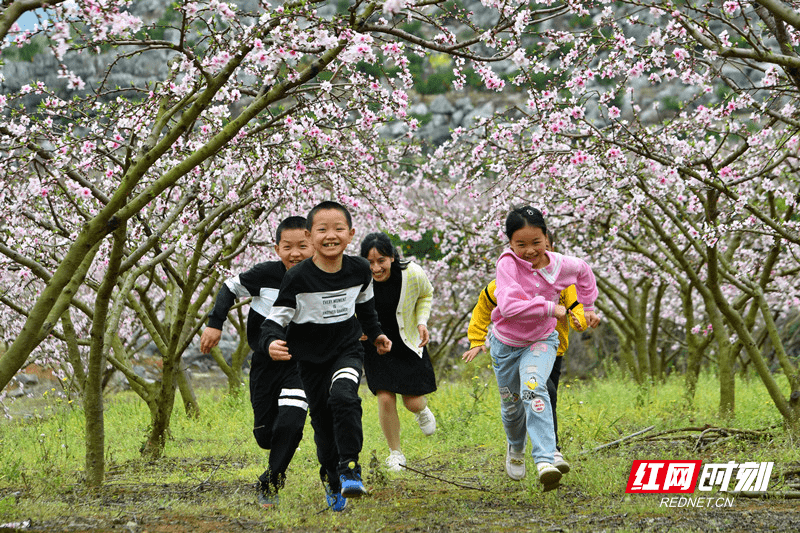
289	223
328	204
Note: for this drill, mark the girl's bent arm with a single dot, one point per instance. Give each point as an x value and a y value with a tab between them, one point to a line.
512	301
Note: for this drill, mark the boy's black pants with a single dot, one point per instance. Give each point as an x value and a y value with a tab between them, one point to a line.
552	391
332	391
279	413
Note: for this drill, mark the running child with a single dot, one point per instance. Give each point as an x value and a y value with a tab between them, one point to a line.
322	308
276	392
523	341
403	297
476	334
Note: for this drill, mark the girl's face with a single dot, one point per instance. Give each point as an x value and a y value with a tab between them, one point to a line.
530	243
380	265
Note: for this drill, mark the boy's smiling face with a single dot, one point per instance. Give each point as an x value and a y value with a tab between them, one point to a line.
330	234
294	247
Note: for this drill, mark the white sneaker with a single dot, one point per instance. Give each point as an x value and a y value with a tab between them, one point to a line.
515	463
560	463
426	421
549	476
396	461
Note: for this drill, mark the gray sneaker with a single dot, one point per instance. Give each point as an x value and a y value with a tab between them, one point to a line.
560	463
515	463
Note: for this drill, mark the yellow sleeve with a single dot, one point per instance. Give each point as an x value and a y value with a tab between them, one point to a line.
568	297
481	316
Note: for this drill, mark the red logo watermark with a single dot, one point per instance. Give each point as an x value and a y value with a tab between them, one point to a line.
663	477
681	477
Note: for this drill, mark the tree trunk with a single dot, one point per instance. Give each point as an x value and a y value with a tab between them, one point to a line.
190	405
656	367
694	355
93	389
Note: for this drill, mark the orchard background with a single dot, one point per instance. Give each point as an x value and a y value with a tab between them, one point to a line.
659	138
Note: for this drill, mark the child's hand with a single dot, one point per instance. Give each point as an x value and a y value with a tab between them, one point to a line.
423	334
470	354
592	319
383	344
576	322
560	311
363	337
279	351
209	339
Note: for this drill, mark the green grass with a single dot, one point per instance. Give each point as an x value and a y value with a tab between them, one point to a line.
205	479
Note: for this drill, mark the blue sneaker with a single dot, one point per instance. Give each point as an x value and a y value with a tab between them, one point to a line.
335	500
352	487
267	500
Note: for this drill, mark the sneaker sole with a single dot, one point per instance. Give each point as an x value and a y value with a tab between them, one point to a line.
516	478
550	478
552	486
562	467
354	493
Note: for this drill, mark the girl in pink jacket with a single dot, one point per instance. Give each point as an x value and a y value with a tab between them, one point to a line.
523	341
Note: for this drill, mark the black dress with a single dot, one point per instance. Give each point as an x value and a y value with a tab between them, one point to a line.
401	370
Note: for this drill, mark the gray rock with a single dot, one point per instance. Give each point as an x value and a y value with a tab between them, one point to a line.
484	111
440	121
441	105
464	103
118	382
418	109
27	379
394	129
16	393
484	17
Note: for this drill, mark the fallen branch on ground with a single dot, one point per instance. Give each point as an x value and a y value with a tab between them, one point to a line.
786	495
618	441
445	480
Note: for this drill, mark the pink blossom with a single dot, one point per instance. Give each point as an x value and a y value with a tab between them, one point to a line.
390	7
680	54
730	7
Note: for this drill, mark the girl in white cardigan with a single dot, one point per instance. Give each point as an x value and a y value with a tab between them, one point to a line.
403	297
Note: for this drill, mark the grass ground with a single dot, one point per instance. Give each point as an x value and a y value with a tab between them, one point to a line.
456	481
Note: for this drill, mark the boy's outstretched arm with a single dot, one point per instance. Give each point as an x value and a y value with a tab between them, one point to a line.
479	323
216	318
470	354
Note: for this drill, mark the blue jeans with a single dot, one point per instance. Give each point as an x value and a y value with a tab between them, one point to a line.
522	374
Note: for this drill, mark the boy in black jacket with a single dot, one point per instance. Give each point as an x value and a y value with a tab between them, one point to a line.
276	392
314	322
